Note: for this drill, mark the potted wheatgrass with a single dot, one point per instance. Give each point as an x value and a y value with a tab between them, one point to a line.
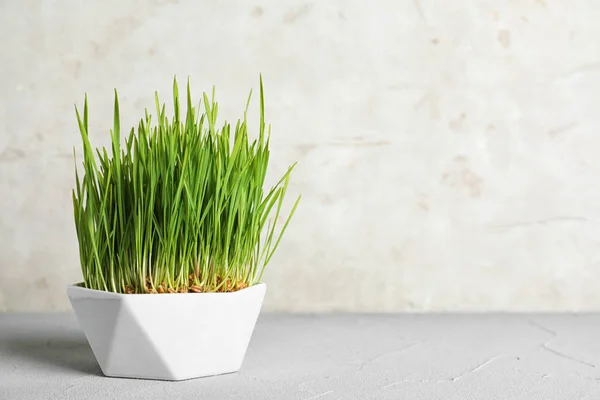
174	230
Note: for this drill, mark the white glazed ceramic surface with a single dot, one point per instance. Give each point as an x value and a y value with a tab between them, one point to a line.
168	336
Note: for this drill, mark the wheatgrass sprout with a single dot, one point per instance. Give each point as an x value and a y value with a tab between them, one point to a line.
179	204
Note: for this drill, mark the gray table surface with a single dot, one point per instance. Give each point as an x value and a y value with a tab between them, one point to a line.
46	356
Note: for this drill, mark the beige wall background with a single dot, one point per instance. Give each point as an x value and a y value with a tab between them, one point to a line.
448	150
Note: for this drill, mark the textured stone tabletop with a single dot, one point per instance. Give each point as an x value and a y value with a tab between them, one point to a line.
46	356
